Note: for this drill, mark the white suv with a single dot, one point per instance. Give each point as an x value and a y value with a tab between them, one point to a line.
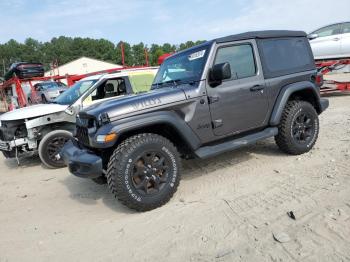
46	127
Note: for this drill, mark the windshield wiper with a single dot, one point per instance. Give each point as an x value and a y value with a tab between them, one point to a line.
176	82
167	82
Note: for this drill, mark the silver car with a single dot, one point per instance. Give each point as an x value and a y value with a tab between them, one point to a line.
331	41
46	92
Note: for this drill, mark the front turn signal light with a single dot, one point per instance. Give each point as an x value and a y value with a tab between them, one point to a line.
106	138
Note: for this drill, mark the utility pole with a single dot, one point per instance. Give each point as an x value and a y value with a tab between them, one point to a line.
3	64
123	55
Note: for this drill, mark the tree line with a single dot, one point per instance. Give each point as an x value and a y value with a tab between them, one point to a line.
61	50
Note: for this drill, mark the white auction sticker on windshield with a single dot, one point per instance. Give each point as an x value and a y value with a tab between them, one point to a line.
196	55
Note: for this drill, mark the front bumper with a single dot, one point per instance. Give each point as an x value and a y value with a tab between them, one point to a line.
10	145
80	162
324	103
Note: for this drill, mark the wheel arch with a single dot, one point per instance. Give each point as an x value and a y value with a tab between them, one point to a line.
48	128
167	124
304	90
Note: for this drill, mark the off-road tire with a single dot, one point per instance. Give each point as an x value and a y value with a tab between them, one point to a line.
44	148
123	161
285	140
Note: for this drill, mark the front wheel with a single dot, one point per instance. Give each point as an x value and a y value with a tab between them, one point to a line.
50	147
144	171
298	129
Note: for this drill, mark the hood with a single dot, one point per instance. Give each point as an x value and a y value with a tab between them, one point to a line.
32	111
133	103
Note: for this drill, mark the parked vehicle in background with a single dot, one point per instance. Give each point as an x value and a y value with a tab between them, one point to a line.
25	70
206	100
331	41
46	91
46	127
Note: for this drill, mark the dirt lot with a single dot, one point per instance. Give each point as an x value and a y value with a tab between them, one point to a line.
226	209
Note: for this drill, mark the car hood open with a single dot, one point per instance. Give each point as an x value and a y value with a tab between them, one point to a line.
32	111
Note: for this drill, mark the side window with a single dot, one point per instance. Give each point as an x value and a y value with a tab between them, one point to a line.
141	82
345	28
111	88
283	56
328	30
240	58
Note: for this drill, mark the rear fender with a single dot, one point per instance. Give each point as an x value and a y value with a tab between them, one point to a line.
287	92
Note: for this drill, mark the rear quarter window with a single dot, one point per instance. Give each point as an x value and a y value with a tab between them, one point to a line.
141	82
284	56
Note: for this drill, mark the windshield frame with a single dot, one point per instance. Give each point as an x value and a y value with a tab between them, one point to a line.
77	85
160	82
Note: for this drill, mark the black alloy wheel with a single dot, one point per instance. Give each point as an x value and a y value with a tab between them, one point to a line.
150	173
303	128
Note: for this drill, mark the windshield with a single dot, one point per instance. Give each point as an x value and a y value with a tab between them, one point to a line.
186	66
74	92
49	85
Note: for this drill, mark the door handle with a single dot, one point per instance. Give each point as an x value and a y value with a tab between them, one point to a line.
257	88
336	39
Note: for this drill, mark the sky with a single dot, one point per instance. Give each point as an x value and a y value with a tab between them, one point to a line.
160	21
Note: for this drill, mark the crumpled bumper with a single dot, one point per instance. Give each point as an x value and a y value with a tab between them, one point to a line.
10	145
80	162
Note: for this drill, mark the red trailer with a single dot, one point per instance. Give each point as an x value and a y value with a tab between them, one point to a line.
12	95
341	83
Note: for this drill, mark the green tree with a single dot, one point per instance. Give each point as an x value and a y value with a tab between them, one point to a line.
65	49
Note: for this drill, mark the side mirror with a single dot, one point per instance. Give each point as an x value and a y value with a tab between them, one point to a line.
218	73
312	36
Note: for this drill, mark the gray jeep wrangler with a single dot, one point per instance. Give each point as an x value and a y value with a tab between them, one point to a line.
206	100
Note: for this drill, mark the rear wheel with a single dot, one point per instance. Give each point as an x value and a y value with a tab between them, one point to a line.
144	171
50	147
298	129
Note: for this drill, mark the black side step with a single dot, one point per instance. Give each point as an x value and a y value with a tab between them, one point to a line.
209	151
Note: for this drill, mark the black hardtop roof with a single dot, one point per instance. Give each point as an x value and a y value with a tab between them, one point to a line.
260	34
245	36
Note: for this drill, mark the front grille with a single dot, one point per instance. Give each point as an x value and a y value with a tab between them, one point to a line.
86	125
82	134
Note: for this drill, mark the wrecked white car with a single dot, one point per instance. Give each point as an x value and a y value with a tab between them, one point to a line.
45	128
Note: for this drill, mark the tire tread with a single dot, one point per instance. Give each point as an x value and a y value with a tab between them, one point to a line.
282	139
115	168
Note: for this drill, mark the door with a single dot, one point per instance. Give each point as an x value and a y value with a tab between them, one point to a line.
345	40
240	103
327	43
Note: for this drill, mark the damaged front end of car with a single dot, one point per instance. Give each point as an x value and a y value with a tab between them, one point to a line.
14	138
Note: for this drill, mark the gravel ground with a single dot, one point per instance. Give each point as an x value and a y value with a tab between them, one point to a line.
229	208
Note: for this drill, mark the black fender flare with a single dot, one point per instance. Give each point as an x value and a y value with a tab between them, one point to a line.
285	94
170	118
